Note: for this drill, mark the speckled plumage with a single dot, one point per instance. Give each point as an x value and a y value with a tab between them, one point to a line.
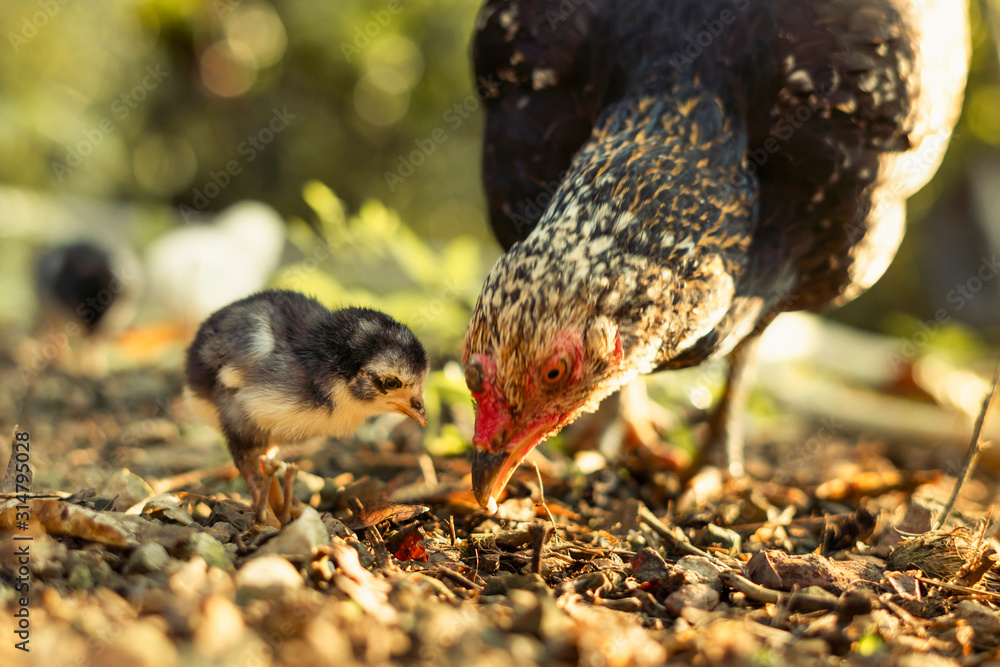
681	170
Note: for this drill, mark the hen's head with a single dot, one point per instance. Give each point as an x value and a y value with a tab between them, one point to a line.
538	353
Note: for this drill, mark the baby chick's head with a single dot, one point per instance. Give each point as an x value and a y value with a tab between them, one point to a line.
386	365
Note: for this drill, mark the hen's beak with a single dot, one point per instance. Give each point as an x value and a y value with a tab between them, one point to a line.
491	470
490	473
414	410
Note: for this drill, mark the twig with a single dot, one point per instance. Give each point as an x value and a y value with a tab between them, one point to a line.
192	476
36	495
456	577
919	625
542	533
975	448
383	560
982	562
955	587
649	518
451	529
793	601
978	568
541	493
439	586
801	522
427	470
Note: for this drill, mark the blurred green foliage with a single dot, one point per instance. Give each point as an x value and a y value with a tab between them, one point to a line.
374	258
152	100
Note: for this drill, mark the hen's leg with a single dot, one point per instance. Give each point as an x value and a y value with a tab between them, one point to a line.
637	429
725	425
626	429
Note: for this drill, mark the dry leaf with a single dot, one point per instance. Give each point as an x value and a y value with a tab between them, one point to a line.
376	513
61	518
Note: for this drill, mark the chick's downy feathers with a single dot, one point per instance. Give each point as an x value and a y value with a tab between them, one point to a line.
279	366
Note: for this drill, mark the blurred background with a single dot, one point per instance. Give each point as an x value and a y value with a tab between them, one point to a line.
146	125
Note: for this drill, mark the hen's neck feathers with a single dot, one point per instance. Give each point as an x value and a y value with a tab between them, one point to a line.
650	227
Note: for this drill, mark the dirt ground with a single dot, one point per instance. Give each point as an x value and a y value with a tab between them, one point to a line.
133	548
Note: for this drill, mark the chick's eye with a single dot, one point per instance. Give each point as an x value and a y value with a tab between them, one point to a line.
555	371
391	383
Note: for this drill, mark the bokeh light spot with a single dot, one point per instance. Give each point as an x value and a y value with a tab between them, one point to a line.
381	97
261	30
397	53
228	68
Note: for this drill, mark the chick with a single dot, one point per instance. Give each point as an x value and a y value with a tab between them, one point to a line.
278	366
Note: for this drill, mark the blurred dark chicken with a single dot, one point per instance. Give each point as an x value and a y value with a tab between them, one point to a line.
667	176
87	293
76	282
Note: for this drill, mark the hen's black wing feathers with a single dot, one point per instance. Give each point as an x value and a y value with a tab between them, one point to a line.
545	85
829	99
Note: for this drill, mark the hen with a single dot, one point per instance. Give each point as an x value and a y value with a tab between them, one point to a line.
668	175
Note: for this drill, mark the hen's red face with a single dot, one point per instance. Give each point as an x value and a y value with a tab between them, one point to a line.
551	392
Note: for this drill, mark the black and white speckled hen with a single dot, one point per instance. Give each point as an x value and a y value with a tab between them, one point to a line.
668	175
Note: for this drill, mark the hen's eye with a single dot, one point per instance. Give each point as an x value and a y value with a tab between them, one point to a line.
555	371
391	383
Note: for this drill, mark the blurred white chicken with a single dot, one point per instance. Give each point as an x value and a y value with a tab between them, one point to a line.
197	269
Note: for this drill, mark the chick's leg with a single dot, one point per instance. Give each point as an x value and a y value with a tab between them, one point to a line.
249	449
282	500
248	461
270	493
287	513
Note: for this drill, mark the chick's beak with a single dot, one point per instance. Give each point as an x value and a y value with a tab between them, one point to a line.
414	409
